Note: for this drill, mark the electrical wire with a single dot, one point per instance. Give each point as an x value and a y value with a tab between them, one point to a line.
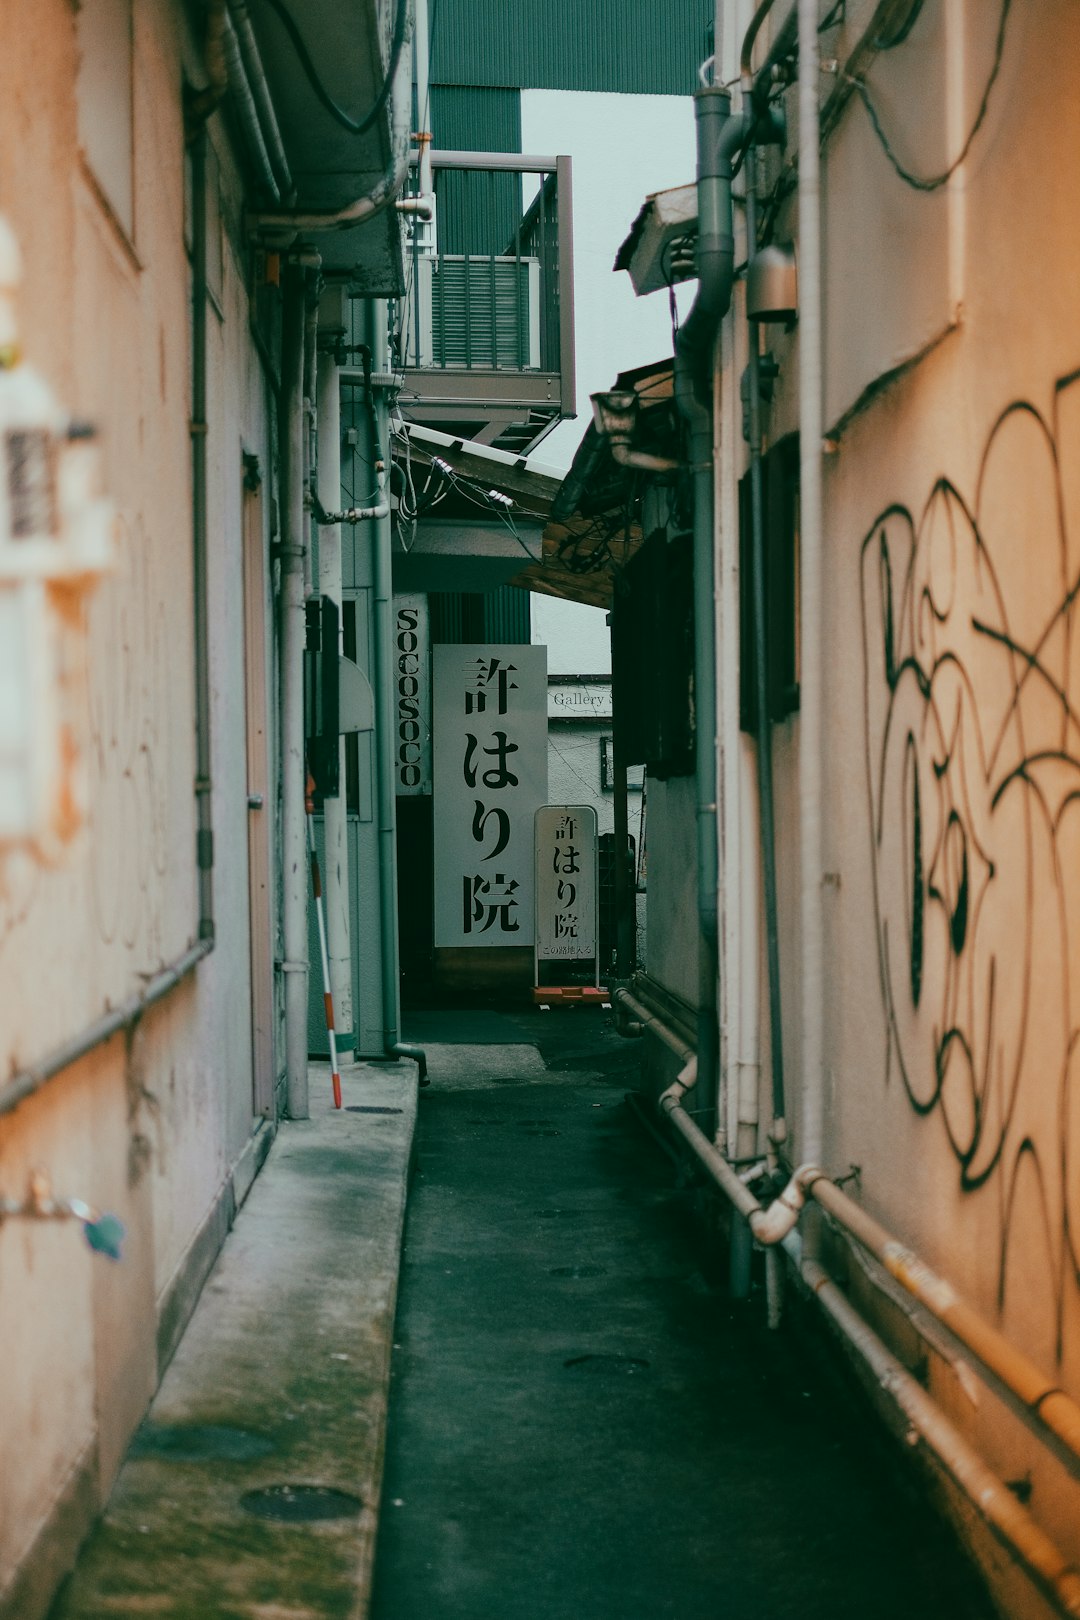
935	181
353	126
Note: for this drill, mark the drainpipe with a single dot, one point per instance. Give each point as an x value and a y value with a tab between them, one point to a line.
335	819
384	192
292	551
204	835
718	138
248	114
382	531
811	1124
766	805
263	102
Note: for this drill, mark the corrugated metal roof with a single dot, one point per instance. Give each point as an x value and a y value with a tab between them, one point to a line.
643	47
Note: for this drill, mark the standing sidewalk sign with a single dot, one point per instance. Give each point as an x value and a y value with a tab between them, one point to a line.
490	756
566	893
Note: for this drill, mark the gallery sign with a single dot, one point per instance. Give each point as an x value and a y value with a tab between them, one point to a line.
490	759
566	883
412	695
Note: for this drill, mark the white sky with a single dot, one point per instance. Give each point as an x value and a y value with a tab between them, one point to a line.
623	148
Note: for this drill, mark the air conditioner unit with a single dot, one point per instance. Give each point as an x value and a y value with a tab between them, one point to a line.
473	312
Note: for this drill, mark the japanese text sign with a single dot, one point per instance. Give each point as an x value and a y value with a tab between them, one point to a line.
490	762
566	890
413	694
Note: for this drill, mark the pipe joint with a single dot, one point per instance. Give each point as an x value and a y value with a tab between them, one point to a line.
684	1082
773	1224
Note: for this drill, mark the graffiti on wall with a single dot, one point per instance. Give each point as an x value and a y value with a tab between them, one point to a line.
971	635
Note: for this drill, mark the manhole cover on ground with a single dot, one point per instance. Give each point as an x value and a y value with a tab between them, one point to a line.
199	1442
369	1108
578	1271
300	1504
602	1362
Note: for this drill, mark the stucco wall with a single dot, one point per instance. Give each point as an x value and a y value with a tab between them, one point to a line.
952	550
147	1127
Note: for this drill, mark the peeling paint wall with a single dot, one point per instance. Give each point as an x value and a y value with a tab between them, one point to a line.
150	1126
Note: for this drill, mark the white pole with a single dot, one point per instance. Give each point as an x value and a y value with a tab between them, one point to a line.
335	821
811	1131
293	770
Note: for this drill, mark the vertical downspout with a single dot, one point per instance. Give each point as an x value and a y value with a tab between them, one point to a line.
293	550
383	606
622	888
335	820
811	1125
204	834
766	808
718	135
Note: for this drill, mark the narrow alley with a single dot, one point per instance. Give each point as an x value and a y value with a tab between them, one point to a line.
539	810
581	1427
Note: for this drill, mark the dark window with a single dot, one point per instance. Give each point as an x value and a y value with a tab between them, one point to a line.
652	656
780	512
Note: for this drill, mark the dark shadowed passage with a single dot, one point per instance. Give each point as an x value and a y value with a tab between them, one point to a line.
580	1427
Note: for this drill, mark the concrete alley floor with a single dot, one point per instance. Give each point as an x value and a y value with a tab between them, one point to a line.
580	1428
279	1385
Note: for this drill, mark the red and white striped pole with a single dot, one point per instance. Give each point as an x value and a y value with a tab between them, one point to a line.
328	1000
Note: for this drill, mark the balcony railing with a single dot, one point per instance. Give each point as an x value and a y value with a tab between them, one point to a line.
485	332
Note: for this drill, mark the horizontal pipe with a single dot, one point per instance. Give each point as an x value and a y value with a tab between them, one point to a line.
996	1505
128	1013
649	1021
508	162
1007	1519
1050	1408
1053	1409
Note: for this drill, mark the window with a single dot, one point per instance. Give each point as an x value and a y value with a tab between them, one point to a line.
652	656
780	514
106	94
635	774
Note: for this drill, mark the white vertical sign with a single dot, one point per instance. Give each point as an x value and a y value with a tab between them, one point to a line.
412	689
490	759
566	883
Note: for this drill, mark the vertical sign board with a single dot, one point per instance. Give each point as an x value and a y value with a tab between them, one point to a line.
412	695
490	758
566	884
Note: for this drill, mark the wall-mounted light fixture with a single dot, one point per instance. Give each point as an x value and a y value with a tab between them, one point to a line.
772	284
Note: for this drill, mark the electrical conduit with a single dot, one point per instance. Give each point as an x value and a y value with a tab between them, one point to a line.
718	138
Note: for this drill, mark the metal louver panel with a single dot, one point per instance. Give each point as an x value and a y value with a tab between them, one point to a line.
483	312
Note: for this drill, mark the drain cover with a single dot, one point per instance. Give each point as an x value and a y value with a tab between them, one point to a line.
198	1442
369	1108
300	1504
578	1271
607	1363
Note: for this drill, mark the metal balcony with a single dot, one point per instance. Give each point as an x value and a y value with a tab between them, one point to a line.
485	332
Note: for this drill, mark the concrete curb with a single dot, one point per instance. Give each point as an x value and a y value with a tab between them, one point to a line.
281	1380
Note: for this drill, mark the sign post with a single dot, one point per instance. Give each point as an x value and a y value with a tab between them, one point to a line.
567	966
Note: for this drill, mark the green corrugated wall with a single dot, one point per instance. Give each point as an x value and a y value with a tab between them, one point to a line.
478	213
642	47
